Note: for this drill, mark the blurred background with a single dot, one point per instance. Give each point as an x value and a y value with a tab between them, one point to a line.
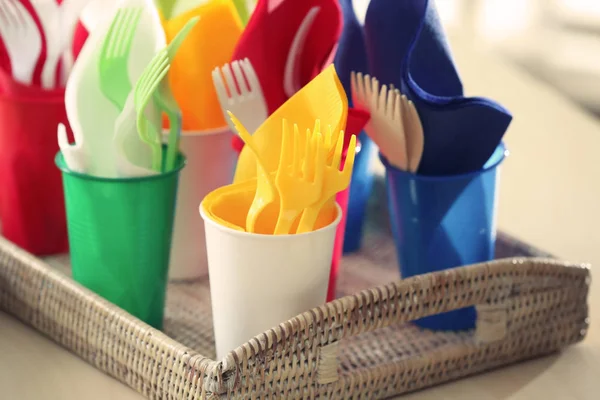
557	41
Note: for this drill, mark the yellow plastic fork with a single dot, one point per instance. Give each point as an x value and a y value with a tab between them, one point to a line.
265	187
334	180
299	178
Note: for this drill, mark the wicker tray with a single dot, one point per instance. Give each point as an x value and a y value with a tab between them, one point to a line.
359	346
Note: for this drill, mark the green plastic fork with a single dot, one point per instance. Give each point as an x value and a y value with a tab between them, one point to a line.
151	84
114	55
144	90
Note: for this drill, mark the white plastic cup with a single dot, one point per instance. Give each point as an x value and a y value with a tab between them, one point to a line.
210	165
259	281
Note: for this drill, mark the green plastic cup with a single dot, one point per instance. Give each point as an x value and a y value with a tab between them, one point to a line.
120	236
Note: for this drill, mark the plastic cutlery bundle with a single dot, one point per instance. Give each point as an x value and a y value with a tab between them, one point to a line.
152	85
58	23
308	176
394	124
21	38
119	80
50	43
323	98
404	40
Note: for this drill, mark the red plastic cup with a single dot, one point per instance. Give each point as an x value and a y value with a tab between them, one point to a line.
32	207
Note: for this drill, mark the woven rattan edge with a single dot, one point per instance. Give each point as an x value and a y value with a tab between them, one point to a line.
396	303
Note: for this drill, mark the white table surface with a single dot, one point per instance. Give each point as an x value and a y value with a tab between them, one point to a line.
550	197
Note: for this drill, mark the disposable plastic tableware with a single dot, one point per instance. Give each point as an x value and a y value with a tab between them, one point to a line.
32	207
21	38
143	94
149	40
116	86
89	111
56	19
150	85
405	39
323	98
386	124
205	151
240	265
299	178
265	187
90	114
229	204
120	237
133	157
247	103
414	134
394	125
441	222
114	56
334	180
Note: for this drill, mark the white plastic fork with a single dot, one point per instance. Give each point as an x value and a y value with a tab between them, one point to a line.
386	125
247	103
55	20
22	39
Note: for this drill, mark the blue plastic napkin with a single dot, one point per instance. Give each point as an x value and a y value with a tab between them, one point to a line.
406	46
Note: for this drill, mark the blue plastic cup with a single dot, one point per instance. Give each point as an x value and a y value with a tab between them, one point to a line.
441	222
360	191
